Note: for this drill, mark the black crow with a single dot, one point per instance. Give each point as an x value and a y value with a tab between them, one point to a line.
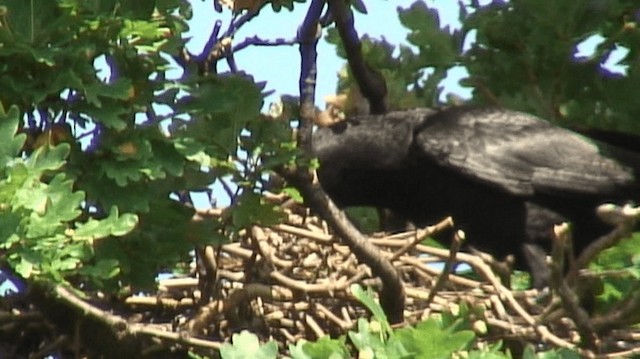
506	177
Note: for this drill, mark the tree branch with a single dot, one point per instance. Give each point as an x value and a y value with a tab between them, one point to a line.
370	81
392	295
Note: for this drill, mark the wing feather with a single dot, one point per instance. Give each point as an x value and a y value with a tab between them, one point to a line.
517	152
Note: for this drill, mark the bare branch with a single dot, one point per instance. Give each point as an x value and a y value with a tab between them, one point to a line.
370	81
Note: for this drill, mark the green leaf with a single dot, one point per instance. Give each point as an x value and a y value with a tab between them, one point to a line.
221	107
365	218
103	269
9	227
437	47
29	20
365	339
168	157
17	175
323	348
122	172
60	205
137	9
235	95
47	158
113	225
442	341
10	143
252	209
246	345
293	193
24	268
121	89
366	298
65	202
32	197
110	116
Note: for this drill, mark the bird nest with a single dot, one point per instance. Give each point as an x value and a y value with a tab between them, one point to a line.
294	280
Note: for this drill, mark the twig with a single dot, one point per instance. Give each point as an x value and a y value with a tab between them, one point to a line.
251	291
120	325
622	230
268	252
257	41
344	325
569	300
159	302
458	238
313	325
309	287
238	22
624	313
320	237
49	347
422	234
211	42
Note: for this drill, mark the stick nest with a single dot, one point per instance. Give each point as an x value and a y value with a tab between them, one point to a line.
292	281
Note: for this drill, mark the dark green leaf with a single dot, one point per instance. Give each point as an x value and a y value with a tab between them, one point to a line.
246	345
10	142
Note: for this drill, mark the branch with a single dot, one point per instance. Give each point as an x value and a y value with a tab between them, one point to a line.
211	43
392	295
458	238
257	41
569	300
238	22
107	334
624	218
308	35
371	82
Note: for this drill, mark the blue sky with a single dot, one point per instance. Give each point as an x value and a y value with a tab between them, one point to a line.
279	66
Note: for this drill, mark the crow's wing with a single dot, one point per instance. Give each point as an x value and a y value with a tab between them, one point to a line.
517	152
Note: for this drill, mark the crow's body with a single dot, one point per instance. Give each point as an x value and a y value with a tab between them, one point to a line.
506	177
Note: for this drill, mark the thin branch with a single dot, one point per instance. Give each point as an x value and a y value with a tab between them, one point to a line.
240	21
458	238
211	43
231	62
257	41
308	36
568	298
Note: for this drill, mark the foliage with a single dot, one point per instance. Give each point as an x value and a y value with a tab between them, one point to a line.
116	153
38	214
522	55
618	270
444	336
376	339
246	345
525	58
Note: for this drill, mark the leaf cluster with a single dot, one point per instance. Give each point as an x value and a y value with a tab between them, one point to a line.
521	55
123	141
41	230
